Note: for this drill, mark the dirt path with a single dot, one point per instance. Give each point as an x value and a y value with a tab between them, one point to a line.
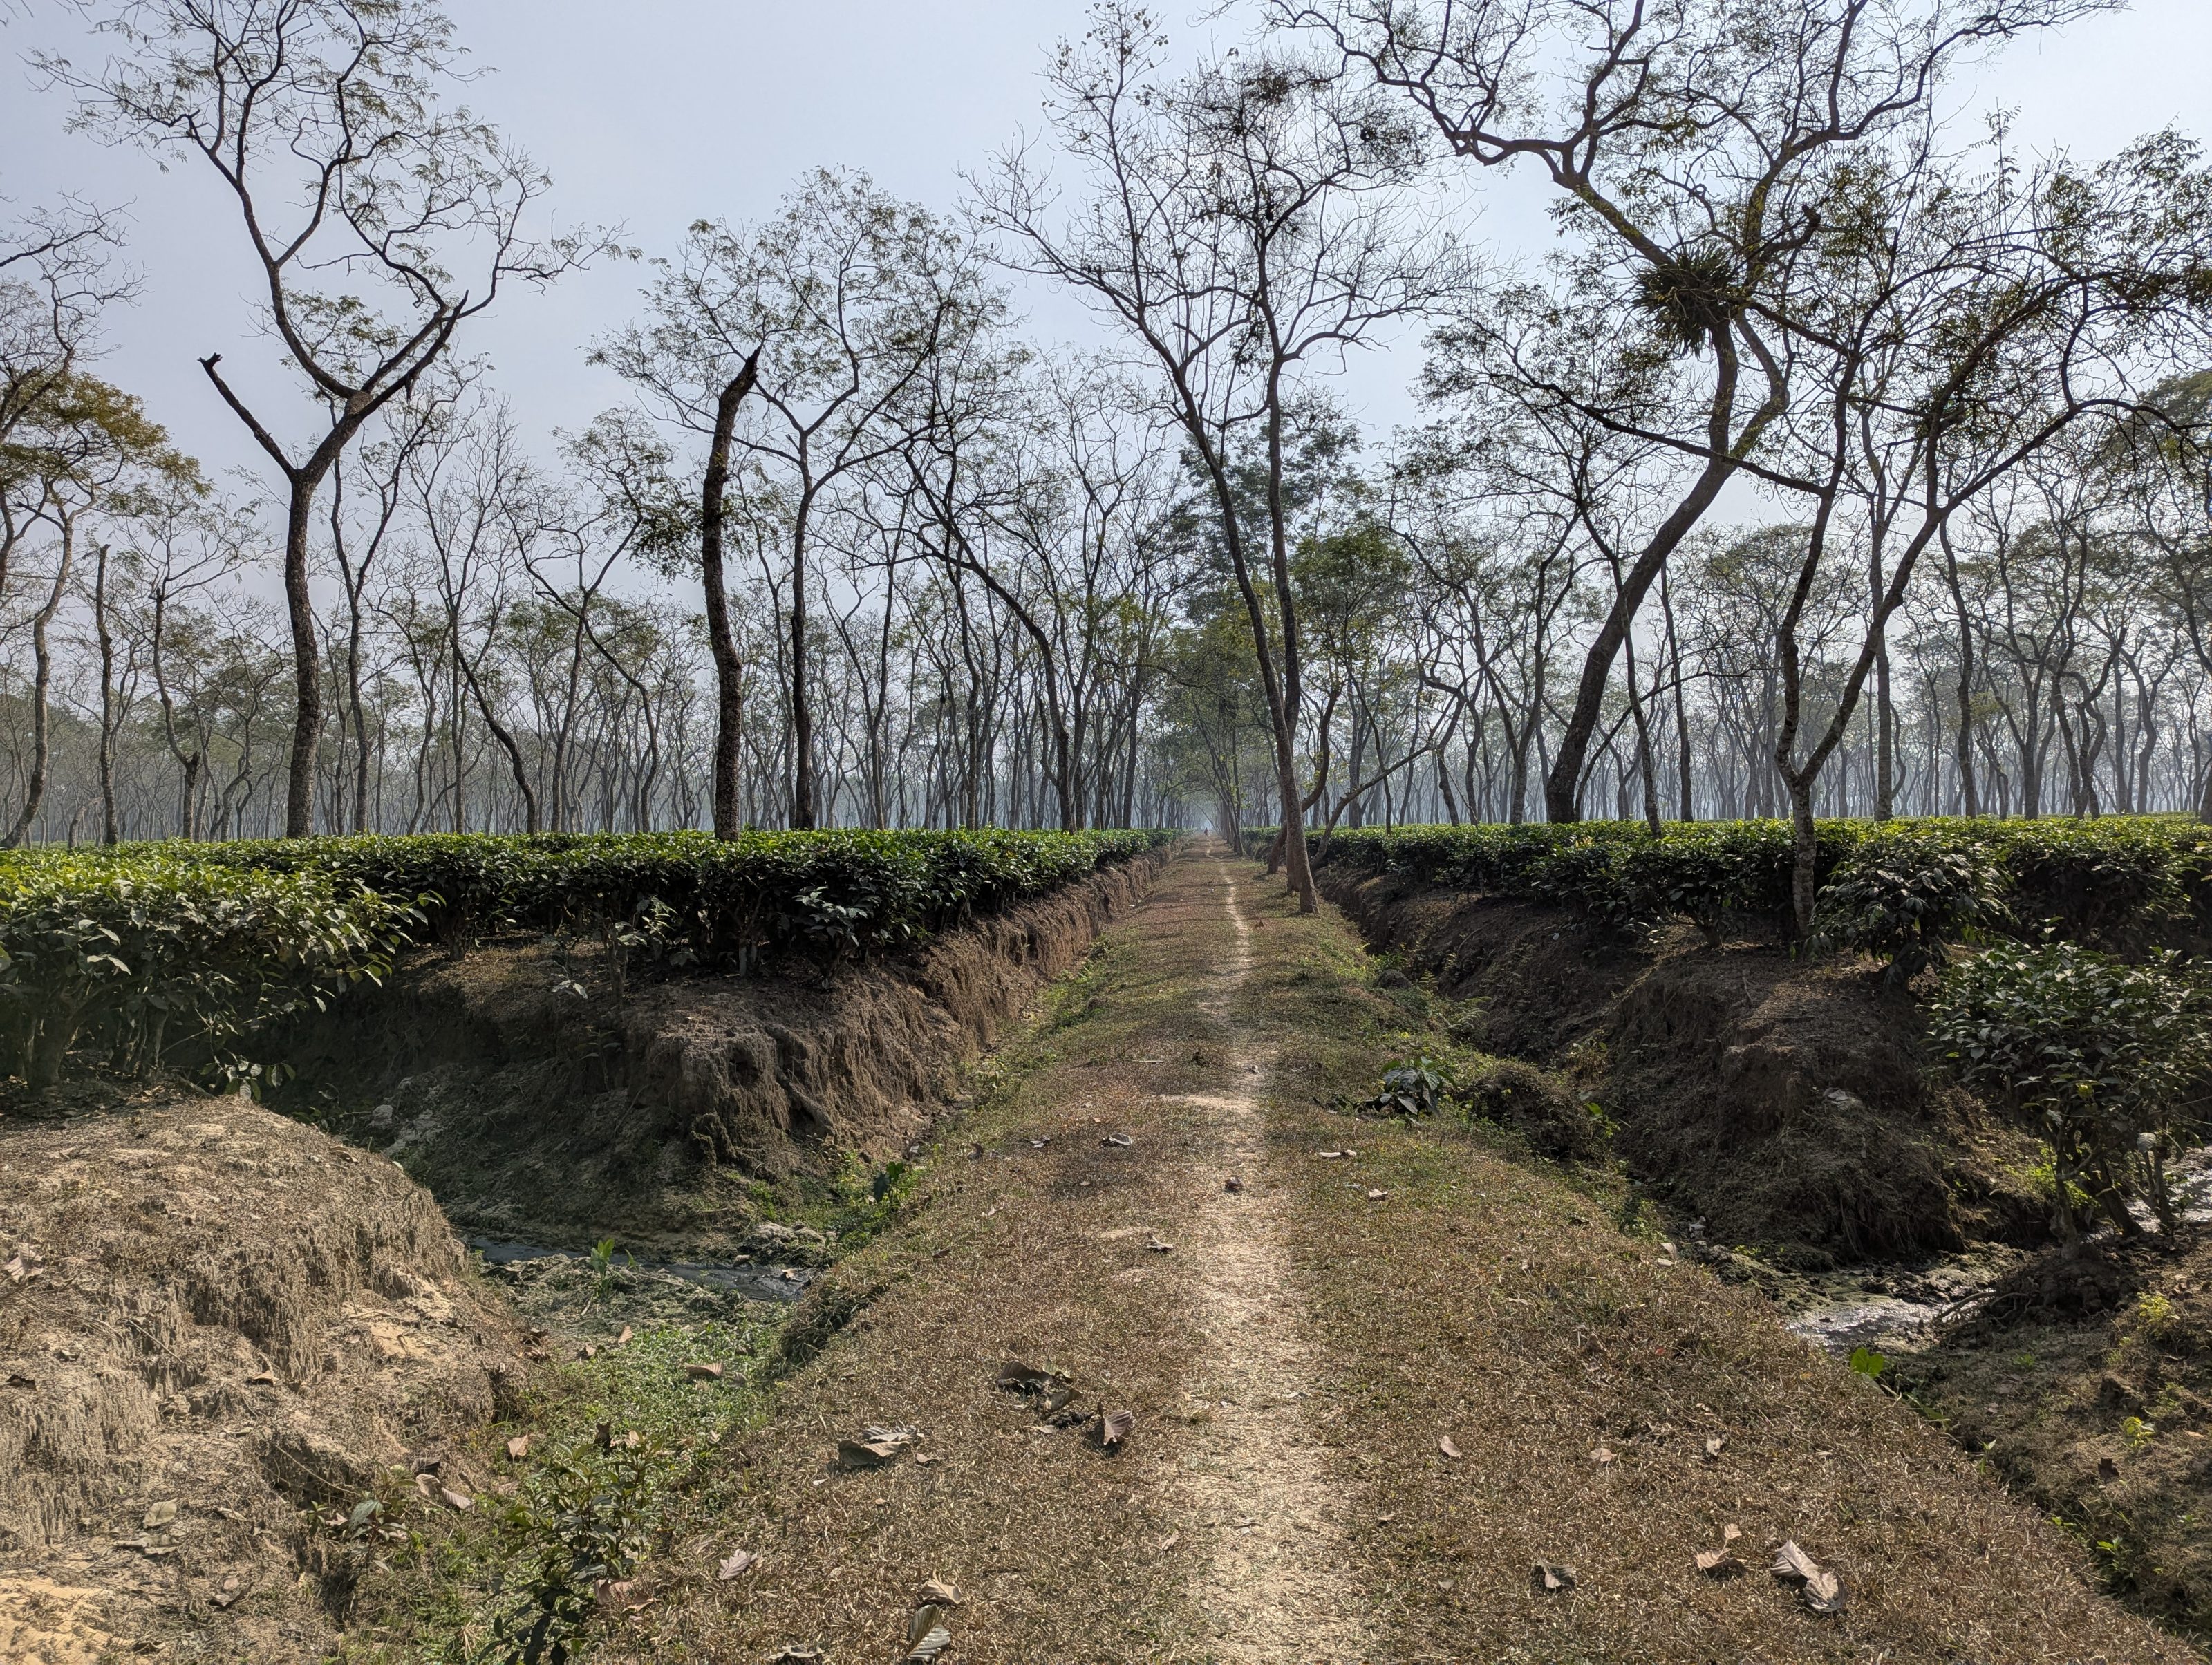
1303	1360
1260	1496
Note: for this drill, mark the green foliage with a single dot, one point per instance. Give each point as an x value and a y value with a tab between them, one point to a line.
1902	889
1906	892
176	951
2101	1054
1413	1088
1868	1363
161	953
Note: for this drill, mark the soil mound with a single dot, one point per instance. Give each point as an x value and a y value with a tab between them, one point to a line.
215	1323
541	1101
1784	1102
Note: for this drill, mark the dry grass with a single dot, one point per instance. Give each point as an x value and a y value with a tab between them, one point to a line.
1483	1298
239	1320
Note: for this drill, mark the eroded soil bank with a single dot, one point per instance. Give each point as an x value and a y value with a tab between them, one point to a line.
544	1101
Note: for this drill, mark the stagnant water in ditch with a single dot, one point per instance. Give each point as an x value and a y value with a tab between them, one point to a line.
1897	1309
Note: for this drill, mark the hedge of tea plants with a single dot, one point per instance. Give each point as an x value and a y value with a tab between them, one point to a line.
1900	888
148	950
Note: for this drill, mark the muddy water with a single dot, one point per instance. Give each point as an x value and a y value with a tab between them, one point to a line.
1897	1309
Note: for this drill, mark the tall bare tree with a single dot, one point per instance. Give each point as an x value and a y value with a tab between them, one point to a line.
378	220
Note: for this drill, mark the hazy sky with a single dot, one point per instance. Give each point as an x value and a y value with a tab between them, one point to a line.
652	113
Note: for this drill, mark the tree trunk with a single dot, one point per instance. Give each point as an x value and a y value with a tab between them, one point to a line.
729	669
307	671
42	680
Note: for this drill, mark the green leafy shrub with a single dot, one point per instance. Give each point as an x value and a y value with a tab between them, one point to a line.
1906	893
161	954
153	950
1413	1089
1902	889
2104	1055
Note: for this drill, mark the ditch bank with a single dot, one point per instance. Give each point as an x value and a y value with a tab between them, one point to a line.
545	1100
1779	1107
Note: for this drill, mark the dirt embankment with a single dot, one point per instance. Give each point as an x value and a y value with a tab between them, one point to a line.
215	1322
1783	1102
539	1100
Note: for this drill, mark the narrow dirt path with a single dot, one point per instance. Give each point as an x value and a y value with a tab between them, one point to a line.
1261	1498
1369	1392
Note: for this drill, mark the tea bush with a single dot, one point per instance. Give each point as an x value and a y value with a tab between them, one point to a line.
1900	888
2104	1055
153	951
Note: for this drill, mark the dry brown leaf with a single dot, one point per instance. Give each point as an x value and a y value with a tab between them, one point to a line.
1730	1532
228	1595
1157	1247
1232	1183
932	1642
623	1340
519	1447
1718	1563
1602	1456
797	1656
1445	1446
1114	1427
735	1564
262	1379
1824	1593
1793	1564
937	1593
703	1372
1714	1447
457	1501
1121	1140
866	1453
1551	1578
1377	1196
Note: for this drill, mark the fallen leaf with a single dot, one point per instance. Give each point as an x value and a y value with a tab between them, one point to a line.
262	1379
1232	1183
866	1452
1170	1540
1445	1446
1602	1455
939	1594
160	1514
519	1447
588	1351
227	1595
1122	1139
1714	1447
1030	1378
457	1501
1328	1155
622	1340
797	1657
1824	1593
1718	1563
1160	1248
1377	1196
926	1636
1730	1532
17	1379
1793	1563
924	1458
26	1265
1114	1427
703	1372
1550	1578
737	1562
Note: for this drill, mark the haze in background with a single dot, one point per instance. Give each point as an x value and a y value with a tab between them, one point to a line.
652	114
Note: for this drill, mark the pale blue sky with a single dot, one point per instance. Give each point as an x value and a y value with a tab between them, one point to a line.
654	112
